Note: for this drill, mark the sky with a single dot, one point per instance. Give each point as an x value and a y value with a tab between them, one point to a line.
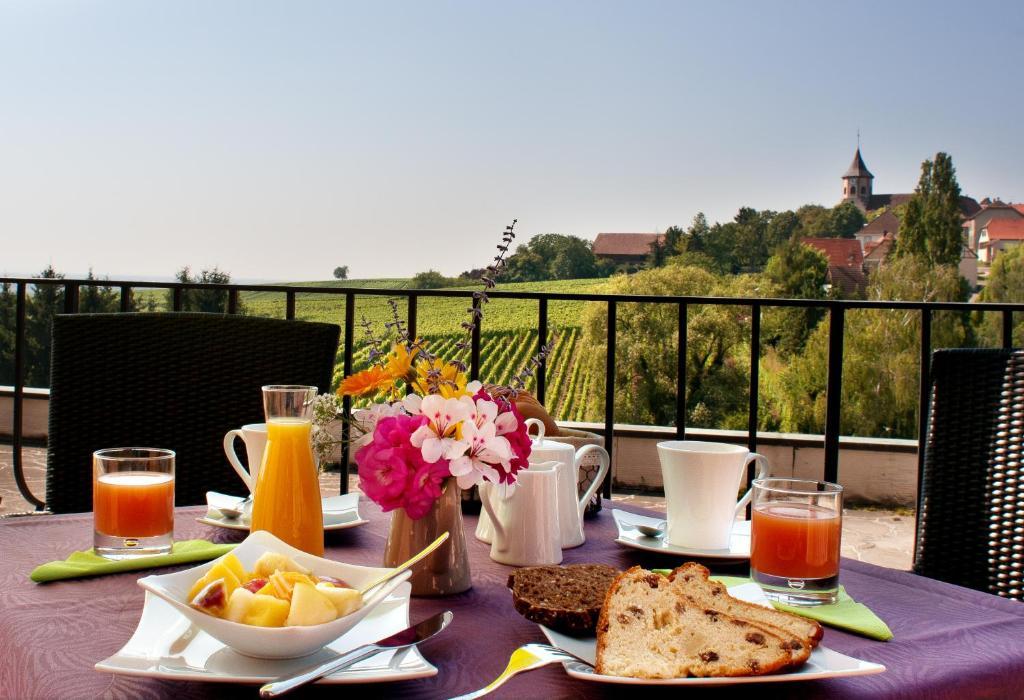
277	140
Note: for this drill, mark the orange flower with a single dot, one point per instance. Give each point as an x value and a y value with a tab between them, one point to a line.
369	381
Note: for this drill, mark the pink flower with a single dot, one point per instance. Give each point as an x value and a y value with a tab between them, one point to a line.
510	424
393	473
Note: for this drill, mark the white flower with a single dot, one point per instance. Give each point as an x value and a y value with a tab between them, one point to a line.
485	450
365	420
437	438
483	412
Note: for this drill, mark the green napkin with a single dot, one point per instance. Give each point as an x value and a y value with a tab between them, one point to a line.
87	563
845	614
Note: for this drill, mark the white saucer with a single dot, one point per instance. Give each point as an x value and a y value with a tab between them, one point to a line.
824	663
166	645
739	545
344	513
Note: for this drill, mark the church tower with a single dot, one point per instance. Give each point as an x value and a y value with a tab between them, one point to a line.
857	183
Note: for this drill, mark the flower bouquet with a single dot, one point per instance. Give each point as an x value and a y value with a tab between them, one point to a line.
425	432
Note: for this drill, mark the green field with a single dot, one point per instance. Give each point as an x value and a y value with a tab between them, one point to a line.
508	331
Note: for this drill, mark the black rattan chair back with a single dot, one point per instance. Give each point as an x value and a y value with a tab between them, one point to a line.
173	380
971	507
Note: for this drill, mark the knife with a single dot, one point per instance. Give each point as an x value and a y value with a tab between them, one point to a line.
409	637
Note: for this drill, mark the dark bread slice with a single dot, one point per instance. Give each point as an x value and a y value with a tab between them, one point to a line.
650	629
801	633
564	598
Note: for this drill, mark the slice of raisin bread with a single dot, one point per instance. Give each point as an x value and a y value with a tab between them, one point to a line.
564	598
800	633
650	629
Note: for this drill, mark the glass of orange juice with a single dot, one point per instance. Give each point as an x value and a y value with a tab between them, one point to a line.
795	532
132	502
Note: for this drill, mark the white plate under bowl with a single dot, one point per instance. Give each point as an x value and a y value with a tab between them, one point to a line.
167	645
344	513
272	642
823	663
739	544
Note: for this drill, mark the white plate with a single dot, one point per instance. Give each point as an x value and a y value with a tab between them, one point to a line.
739	545
824	663
165	645
345	513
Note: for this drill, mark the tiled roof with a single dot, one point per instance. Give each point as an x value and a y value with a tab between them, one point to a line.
879	249
1005	230
1018	207
625	243
968	205
997	205
850	280
841	252
882	224
857	167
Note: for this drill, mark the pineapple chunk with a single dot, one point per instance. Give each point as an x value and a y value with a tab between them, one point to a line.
345	600
266	611
282	583
218	571
309	607
271	562
231	562
239	604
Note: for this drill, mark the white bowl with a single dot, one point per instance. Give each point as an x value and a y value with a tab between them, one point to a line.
271	642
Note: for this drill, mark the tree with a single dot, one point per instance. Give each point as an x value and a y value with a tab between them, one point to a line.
1005	284
551	256
341	272
431	279
45	302
99	298
845	219
796	271
204	300
666	246
932	226
880	356
645	370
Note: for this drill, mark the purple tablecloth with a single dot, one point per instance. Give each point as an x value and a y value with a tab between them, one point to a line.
949	642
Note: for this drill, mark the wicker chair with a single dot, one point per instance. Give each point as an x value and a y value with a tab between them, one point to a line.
971	505
174	380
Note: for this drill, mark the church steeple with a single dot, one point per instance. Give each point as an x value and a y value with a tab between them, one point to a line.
857	182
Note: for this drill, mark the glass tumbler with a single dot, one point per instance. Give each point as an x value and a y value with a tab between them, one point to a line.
133	502
795	534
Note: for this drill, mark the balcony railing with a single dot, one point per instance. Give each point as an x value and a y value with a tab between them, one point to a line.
836	310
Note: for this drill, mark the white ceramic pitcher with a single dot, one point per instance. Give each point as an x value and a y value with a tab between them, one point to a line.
571	506
525	517
254	435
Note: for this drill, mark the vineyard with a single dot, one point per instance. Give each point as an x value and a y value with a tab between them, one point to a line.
508	336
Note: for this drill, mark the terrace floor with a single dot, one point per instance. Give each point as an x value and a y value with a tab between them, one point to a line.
881	537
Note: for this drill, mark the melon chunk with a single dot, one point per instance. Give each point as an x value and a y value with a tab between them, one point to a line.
309	607
345	600
266	611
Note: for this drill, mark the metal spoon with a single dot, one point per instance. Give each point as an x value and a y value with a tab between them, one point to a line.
409	637
650	530
404	565
231	513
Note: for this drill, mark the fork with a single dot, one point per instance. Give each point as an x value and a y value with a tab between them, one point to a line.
525	658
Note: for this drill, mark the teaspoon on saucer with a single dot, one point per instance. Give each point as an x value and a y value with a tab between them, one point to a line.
650	530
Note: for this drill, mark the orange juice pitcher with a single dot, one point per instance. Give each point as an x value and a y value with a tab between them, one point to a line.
286	501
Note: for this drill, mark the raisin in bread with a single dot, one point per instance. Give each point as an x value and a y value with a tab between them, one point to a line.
564	598
800	633
649	628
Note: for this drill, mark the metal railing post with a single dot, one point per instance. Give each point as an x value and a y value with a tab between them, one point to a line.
609	399
289	306
834	389
18	464
755	380
126	298
1007	328
681	374
542	340
350	321
474	344
923	408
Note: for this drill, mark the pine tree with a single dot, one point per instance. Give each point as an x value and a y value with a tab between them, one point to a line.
932	226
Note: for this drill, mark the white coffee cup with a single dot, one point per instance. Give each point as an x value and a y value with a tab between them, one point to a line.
525	517
254	435
701	482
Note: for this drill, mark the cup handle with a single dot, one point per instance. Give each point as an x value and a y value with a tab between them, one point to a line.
229	452
760	472
602	472
540	427
499	529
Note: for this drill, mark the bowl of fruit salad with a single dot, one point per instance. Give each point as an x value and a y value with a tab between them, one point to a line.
269	600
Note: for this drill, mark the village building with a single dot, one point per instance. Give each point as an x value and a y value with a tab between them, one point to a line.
626	248
991	209
845	264
998	235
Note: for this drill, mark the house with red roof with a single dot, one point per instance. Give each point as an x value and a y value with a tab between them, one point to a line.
991	209
999	235
845	264
624	248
